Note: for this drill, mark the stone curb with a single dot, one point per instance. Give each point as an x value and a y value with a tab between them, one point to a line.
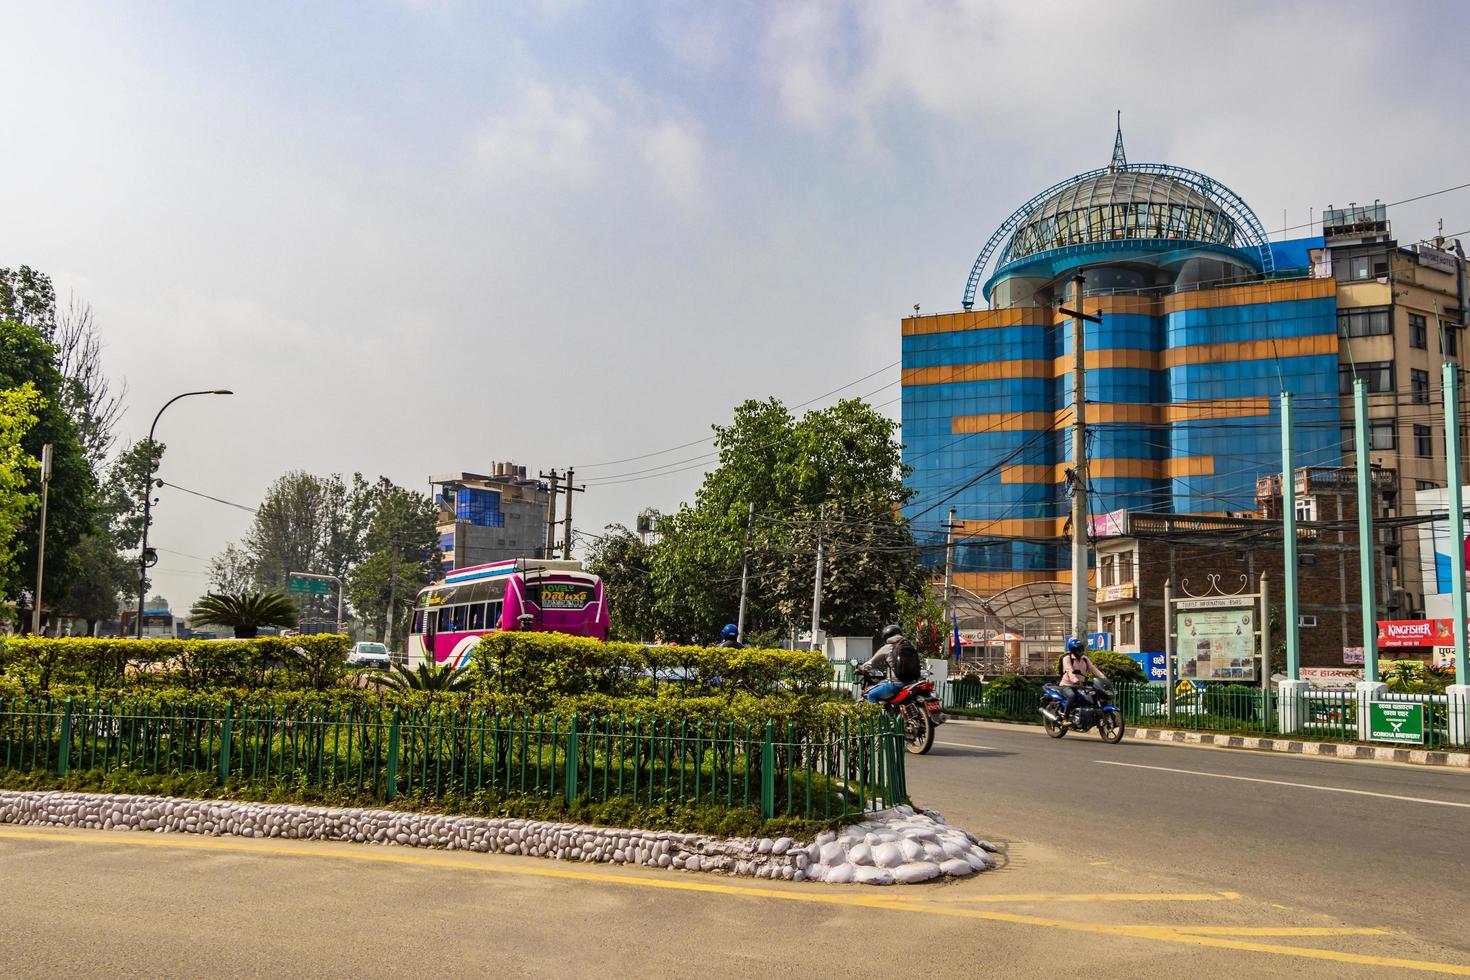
782	858
1332	750
1351	751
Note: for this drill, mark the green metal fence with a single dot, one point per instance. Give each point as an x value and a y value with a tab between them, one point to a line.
1326	714
384	754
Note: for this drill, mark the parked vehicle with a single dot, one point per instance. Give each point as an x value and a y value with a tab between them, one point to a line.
916	705
367	654
1090	709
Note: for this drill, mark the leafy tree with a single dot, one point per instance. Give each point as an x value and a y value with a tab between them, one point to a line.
103	576
290	526
624	563
836	475
90	400
27	298
231	571
17	415
25	356
246	613
122	492
402	544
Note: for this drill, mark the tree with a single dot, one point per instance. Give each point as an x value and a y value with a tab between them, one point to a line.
89	399
231	571
25	356
402	545
27	298
103	577
290	526
624	563
17	415
836	475
244	613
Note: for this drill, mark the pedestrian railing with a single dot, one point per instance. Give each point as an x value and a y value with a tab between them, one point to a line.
1331	714
382	754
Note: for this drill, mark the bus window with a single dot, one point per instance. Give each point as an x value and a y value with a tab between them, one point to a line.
451	620
477	617
492	621
431	622
418	621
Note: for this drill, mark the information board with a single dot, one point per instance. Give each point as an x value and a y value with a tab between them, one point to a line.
1396	721
1216	644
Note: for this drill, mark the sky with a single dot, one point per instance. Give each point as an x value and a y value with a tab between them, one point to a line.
422	236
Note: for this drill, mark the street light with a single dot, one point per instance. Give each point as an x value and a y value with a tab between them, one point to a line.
145	559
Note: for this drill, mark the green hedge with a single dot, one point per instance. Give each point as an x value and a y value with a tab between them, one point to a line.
518	673
38	663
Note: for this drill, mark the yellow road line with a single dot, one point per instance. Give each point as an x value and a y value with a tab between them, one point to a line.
1119	897
1283	930
1166	934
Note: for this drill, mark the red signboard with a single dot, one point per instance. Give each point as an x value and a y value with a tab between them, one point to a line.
1415	633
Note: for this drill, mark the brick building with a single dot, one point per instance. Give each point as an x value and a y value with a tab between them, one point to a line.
1148	550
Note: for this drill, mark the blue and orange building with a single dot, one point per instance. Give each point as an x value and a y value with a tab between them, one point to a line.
1203	323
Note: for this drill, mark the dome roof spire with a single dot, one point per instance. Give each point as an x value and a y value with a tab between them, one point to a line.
1120	159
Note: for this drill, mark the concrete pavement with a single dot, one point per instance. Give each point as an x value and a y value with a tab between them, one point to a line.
1145	872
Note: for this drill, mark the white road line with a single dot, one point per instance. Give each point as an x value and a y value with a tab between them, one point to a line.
1282	782
969	745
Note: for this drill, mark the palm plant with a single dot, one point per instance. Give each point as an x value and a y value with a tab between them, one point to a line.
246	612
430	677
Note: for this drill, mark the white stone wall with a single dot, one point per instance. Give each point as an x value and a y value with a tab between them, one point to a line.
895	846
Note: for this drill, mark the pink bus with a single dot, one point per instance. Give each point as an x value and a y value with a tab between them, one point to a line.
520	594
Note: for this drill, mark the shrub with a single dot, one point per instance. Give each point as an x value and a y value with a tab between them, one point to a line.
1118	666
1014	682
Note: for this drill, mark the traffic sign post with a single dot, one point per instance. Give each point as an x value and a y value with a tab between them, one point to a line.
305	583
1396	721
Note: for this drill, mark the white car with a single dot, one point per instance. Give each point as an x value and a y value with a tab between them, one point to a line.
369	655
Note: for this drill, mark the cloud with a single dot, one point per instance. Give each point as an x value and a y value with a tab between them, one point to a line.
675	153
541	134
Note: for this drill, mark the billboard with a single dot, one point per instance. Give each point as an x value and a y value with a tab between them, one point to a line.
1216	644
1399	633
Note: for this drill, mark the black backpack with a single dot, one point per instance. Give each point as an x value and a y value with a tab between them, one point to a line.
906	665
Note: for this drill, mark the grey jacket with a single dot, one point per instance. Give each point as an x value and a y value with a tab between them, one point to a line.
886	659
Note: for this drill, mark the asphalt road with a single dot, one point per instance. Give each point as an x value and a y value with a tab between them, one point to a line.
1346	839
1141	872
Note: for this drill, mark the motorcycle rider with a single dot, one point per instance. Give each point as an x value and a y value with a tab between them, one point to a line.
731	638
1077	666
896	658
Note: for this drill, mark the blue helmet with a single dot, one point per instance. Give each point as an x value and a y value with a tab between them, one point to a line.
1075	645
729	632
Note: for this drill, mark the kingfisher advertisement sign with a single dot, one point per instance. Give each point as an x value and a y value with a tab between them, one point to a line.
1400	633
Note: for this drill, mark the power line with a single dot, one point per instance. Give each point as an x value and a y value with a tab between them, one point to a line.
196	493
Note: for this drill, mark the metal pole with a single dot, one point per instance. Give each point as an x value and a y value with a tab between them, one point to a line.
339	602
1457	516
1265	655
817	588
1367	545
1079	463
148	503
46	455
744	573
949	578
1288	538
1169	648
550	548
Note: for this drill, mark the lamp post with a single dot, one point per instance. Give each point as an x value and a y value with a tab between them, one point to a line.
145	560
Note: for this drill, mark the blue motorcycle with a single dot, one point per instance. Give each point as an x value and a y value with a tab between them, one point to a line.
1090	709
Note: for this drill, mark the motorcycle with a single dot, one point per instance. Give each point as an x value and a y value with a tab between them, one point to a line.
1090	709
916	706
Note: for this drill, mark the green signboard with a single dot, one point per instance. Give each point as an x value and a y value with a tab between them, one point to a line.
310	586
1392	721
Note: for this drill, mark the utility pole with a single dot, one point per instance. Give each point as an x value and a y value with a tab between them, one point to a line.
566	528
744	573
949	529
1289	542
1079	457
46	454
817	589
550	545
1455	475
392	584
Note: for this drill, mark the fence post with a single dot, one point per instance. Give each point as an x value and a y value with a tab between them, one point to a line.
227	728
391	789
768	772
64	756
569	784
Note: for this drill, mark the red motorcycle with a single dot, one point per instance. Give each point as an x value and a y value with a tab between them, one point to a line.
915	705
